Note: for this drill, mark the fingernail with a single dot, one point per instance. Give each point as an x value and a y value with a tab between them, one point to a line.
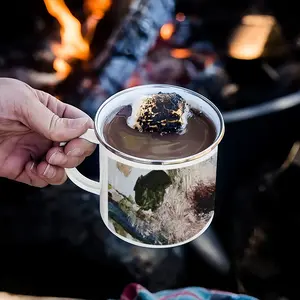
49	172
75	152
32	168
57	158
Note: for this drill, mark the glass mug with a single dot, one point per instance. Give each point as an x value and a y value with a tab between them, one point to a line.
153	203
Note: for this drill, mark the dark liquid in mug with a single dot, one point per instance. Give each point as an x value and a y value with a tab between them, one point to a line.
200	133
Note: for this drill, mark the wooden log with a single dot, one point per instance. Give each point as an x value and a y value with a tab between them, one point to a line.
124	51
131	42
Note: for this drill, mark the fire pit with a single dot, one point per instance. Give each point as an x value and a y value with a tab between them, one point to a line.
91	49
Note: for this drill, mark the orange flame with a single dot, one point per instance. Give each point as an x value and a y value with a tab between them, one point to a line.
73	44
96	10
167	31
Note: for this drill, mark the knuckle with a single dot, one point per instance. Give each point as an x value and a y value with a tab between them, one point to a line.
53	128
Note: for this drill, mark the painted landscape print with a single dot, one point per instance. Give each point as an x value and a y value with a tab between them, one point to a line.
160	207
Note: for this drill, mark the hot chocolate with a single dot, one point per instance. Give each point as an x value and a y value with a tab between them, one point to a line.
199	134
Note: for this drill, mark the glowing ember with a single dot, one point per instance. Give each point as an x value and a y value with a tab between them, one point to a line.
167	31
180	53
250	38
180	17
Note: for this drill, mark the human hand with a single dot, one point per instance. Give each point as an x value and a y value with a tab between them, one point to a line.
32	123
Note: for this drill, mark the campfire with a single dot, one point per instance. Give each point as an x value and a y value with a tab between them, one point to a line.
75	38
100	47
86	50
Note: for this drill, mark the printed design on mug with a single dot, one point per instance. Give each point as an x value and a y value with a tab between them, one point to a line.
124	169
160	207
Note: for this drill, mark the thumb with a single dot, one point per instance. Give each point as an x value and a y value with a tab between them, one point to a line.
54	128
64	129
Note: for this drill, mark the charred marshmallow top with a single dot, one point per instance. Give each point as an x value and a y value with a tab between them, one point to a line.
163	113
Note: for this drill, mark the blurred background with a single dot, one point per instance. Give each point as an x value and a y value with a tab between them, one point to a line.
245	57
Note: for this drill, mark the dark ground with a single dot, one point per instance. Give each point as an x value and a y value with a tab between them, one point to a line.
53	242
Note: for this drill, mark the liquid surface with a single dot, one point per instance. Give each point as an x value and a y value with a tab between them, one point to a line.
199	134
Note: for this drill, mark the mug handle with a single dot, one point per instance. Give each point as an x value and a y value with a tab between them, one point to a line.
76	177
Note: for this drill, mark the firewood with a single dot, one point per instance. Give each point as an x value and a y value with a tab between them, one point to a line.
125	49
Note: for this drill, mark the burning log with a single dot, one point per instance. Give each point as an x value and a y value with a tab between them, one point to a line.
126	48
62	64
132	42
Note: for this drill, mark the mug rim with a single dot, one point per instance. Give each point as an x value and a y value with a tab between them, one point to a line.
147	161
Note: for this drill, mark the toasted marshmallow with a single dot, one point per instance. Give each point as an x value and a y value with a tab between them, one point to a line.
163	113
